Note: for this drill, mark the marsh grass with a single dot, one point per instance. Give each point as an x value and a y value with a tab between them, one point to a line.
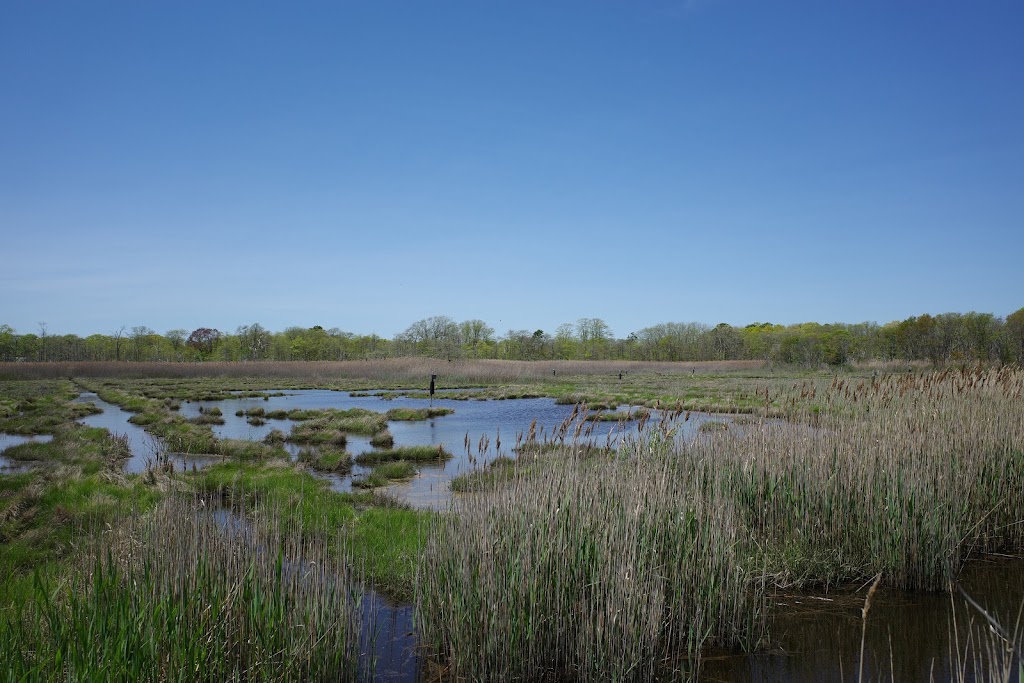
615	570
383	440
383	535
331	426
337	461
39	407
587	568
384	473
188	593
363	374
416	414
409	453
618	416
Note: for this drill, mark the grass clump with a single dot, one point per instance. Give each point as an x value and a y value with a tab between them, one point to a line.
618	416
276	436
408	453
330	426
416	414
385	473
327	459
383	439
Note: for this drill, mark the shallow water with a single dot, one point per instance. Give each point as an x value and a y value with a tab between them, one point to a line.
499	421
909	636
144	446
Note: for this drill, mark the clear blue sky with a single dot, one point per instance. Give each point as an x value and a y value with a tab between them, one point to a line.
366	164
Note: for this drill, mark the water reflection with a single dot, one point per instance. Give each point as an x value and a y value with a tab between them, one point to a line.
909	636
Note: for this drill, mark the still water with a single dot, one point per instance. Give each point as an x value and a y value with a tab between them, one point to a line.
8	466
908	637
496	421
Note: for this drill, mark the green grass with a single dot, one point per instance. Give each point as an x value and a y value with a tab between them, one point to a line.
384	473
180	595
330	426
383	537
416	414
327	459
410	453
39	407
78	485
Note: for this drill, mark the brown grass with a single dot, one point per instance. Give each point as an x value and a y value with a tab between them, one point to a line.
389	369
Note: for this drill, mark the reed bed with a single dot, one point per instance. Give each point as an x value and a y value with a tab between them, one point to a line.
192	594
904	475
570	567
618	570
386	370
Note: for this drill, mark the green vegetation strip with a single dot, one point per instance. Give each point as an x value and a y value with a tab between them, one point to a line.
410	453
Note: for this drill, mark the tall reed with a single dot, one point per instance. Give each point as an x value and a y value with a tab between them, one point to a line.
190	594
611	570
594	567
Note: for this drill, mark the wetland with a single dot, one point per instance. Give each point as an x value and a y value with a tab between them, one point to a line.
849	525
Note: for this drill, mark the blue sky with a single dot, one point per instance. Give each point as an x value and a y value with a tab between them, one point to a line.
366	164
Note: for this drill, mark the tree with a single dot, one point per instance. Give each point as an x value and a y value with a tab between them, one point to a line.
254	340
594	334
138	336
203	339
1014	327
118	337
435	336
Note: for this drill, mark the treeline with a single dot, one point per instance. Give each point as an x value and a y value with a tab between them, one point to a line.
949	337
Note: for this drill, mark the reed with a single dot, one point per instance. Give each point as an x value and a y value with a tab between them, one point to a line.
581	567
615	570
190	593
